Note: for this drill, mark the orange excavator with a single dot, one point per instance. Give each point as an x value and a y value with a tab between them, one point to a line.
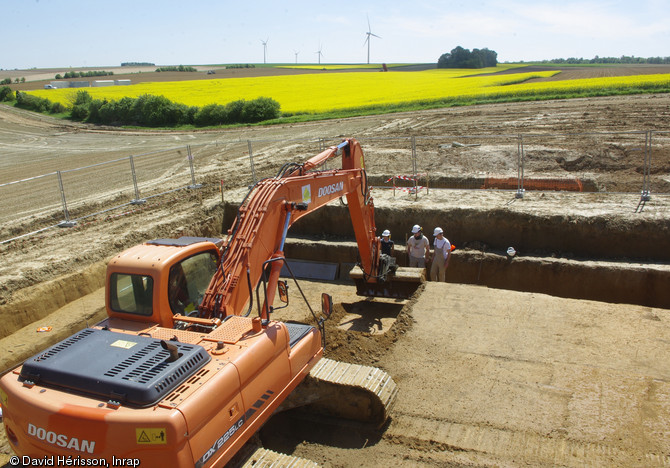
183	372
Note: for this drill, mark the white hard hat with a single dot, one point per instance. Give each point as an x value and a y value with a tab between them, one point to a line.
386	233
438	230
416	228
511	252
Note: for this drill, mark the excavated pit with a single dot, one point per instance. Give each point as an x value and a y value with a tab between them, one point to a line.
595	258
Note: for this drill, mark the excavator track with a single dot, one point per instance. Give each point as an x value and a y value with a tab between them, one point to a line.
262	457
337	390
343	390
253	454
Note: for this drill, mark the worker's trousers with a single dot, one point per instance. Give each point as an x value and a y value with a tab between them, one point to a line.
438	270
417	262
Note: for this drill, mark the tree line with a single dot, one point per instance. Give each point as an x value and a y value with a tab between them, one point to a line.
149	110
86	74
482	58
464	58
17	80
180	68
624	59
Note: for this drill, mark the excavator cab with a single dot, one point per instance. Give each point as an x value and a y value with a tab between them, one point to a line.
161	279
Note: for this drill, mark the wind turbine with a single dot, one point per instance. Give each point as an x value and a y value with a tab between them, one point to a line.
318	52
367	39
265	47
296	56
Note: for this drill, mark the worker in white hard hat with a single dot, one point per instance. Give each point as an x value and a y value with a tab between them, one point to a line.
386	243
418	248
441	255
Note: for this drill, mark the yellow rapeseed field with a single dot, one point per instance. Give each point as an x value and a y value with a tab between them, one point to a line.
314	93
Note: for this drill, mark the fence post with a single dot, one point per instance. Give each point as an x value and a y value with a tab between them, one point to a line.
66	213
519	167
137	200
646	191
414	169
251	161
190	163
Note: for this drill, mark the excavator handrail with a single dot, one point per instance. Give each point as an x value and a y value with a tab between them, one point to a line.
318	321
265	280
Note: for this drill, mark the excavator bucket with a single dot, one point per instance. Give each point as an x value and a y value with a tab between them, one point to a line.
400	285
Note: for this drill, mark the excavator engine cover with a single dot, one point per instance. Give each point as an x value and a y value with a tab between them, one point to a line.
123	368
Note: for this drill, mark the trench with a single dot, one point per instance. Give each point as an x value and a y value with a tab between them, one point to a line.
591	259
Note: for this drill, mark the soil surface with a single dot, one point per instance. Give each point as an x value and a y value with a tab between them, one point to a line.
487	377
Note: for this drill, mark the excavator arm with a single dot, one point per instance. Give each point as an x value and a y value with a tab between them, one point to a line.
268	211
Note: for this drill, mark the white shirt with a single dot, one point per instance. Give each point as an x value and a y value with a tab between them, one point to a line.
417	247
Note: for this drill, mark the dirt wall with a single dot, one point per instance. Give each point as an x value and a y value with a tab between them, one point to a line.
614	282
36	302
598	281
593	237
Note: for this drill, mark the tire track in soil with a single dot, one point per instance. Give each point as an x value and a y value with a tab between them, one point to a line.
515	447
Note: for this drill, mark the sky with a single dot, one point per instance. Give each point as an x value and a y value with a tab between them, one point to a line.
90	33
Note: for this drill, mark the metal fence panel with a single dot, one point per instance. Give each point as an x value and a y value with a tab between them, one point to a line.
161	171
607	162
657	163
37	196
628	162
88	189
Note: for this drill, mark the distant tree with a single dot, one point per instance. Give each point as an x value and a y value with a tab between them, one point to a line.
463	58
6	94
259	109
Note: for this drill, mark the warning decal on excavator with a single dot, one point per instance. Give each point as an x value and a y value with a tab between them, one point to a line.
150	435
306	193
123	344
3	397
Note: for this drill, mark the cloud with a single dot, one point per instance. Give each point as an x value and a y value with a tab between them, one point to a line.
587	19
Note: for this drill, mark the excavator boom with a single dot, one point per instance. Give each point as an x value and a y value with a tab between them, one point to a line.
269	210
